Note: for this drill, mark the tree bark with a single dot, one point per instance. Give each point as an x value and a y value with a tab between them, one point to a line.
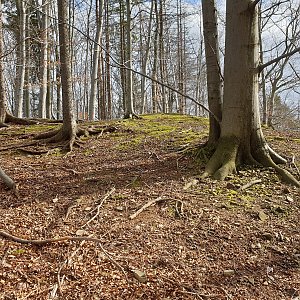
44	61
213	77
96	56
21	59
129	109
241	139
69	127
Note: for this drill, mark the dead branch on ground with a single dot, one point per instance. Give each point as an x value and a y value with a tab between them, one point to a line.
151	202
63	239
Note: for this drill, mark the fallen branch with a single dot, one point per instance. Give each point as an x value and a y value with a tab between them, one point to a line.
62	239
249	184
144	207
58	285
108	194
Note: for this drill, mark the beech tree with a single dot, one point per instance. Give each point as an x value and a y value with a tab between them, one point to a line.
213	76
241	140
69	129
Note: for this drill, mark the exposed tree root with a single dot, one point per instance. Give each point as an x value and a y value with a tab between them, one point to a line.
264	158
57	136
3	125
132	116
7	180
223	161
20	121
229	155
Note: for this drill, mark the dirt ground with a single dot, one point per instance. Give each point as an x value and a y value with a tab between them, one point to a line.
201	239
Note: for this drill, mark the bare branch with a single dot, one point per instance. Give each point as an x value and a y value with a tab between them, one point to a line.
277	59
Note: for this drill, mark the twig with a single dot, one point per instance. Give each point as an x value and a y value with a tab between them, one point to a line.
294	164
151	202
108	194
249	184
68	260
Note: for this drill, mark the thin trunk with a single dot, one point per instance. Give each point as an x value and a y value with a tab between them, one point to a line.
44	61
122	53
2	87
49	96
146	59
69	124
21	58
96	55
213	77
58	85
101	89
154	86
162	65
181	106
129	110
107	65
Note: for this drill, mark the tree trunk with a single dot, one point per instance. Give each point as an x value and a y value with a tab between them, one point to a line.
2	88
21	58
241	139
122	53
108	83
69	127
145	59
96	55
44	61
213	77
129	109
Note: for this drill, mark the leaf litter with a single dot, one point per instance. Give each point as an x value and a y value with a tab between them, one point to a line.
189	239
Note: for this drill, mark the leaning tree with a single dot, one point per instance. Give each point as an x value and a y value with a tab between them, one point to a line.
241	140
7	180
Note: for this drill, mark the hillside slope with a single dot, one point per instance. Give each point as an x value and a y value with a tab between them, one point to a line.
201	239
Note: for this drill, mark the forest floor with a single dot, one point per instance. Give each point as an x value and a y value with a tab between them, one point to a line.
201	239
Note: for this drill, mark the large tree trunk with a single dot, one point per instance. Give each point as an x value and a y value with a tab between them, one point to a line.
214	80
241	139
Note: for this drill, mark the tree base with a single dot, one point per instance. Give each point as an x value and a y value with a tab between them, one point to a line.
229	154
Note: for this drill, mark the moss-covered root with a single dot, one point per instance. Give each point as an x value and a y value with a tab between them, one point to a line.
223	161
266	160
60	136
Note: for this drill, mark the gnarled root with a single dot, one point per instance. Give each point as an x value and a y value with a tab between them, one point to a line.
7	180
264	157
223	161
229	153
